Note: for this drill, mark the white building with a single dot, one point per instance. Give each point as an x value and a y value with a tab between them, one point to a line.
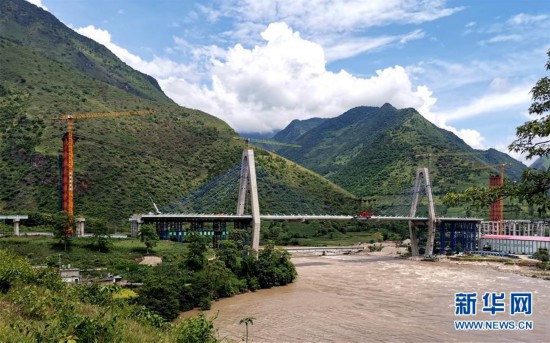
524	245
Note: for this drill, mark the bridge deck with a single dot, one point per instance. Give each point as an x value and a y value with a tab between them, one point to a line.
283	217
13	217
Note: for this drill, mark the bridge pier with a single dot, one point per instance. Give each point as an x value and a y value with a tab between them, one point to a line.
414	239
16	220
80	226
135	225
16	227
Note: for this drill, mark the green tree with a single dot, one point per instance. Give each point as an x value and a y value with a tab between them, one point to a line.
159	295
196	330
102	239
542	255
274	267
63	225
229	254
532	139
246	321
219	277
148	235
196	252
533	136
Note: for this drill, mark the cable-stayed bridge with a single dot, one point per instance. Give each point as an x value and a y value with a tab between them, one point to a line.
214	203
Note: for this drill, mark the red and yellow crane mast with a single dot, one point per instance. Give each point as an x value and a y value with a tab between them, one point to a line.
68	149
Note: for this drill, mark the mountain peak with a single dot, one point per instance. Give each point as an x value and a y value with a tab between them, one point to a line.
32	28
387	106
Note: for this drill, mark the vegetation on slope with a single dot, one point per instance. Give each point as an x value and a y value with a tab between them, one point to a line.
37	306
47	70
375	152
541	163
32	27
296	128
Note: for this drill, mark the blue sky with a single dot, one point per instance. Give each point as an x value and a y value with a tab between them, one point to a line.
467	66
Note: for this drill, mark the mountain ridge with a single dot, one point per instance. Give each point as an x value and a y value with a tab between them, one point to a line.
372	151
119	162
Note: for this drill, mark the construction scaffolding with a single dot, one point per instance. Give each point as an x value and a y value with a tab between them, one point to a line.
457	236
515	228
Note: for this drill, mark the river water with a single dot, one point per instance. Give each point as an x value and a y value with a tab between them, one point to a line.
379	299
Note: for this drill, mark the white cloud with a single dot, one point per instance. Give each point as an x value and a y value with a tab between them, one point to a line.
493	102
520	157
519	28
340	26
443	76
503	38
470	136
337	15
499	84
263	88
38	3
523	18
159	67
341	48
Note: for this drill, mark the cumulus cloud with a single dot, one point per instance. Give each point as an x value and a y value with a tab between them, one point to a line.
158	67
38	3
265	87
262	89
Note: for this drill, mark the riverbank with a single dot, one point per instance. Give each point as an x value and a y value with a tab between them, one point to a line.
375	297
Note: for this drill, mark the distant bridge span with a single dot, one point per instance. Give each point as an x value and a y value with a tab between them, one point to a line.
172	223
201	217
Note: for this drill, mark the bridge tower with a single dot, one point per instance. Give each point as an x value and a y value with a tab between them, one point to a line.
422	174
248	182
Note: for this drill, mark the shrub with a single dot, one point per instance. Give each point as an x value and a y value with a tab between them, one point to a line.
195	330
541	254
375	247
160	297
274	267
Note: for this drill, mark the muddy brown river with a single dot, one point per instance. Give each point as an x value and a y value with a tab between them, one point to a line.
380	299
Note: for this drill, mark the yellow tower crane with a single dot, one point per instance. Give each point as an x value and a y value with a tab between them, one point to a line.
68	145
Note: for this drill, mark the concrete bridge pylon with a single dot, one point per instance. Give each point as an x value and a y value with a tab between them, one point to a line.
247	183
422	175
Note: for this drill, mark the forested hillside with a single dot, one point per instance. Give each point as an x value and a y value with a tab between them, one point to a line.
375	152
47	70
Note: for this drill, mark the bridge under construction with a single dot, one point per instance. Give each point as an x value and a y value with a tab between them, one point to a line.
176	226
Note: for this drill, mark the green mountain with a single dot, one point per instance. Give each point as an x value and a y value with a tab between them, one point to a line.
297	128
373	151
541	163
46	70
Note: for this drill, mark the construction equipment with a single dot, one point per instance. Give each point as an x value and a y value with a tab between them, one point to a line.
264	141
68	145
496	209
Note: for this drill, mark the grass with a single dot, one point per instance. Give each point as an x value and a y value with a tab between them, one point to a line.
123	257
